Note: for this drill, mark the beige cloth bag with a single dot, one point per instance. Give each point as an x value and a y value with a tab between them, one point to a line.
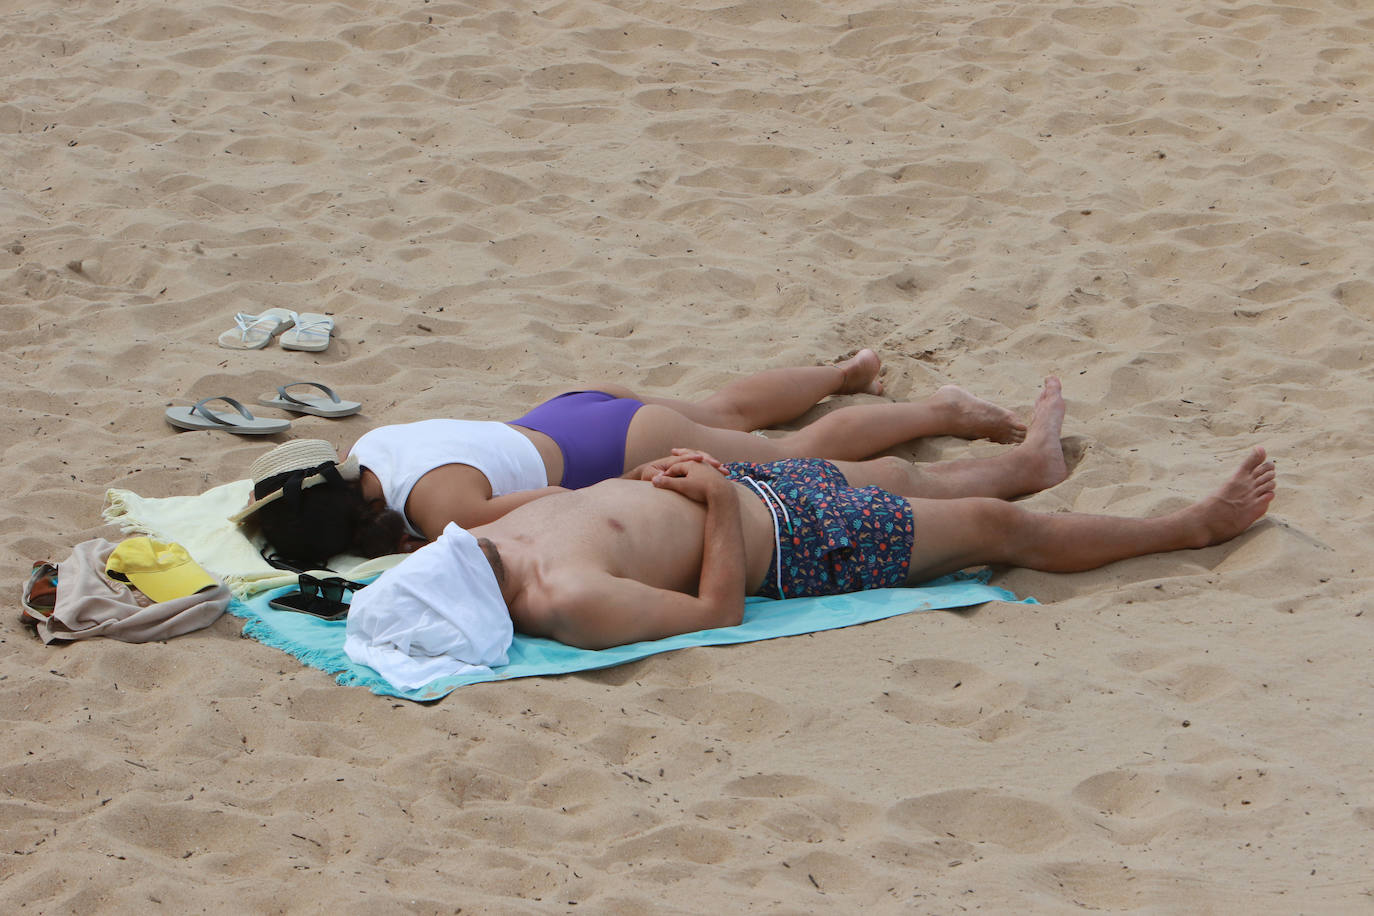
89	603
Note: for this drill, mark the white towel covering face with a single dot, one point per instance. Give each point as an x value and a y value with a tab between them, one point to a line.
439	612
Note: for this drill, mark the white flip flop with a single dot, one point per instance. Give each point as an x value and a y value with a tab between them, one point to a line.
328	406
202	417
253	332
311	333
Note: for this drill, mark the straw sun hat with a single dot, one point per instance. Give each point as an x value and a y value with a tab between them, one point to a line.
294	466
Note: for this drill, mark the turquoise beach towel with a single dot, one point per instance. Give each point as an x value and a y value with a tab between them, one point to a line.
200	523
319	643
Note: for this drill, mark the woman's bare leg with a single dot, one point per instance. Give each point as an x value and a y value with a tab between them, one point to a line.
776	396
866	429
847	434
953	534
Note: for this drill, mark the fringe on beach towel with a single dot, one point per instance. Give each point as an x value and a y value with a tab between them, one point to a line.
319	643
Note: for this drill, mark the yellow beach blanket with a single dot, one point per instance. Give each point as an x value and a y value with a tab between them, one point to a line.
201	524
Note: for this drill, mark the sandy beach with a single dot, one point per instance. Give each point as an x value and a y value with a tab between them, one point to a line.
1167	205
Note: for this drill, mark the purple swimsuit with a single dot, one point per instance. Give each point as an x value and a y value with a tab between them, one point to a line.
590	429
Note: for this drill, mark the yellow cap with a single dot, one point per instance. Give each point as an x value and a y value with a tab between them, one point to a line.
158	569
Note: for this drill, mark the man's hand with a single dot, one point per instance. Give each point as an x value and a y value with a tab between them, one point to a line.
693	475
652	469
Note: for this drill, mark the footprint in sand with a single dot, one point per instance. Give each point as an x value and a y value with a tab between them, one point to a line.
983	815
935	691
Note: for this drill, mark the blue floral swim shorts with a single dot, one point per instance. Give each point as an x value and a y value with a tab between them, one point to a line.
832	538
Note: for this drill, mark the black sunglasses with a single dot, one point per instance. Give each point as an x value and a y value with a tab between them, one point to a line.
277	561
330	589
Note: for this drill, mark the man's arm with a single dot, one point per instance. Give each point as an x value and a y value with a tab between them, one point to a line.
600	610
723	576
593	610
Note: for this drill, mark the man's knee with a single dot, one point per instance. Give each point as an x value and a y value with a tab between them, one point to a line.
998	524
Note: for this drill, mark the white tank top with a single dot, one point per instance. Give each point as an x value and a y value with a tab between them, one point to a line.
401	454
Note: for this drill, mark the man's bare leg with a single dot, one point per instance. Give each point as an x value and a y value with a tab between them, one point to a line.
1034	465
954	534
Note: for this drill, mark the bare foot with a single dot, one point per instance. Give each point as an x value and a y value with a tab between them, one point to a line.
1041	455
1238	503
861	373
971	417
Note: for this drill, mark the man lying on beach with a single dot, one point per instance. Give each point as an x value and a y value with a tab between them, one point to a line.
413	479
626	560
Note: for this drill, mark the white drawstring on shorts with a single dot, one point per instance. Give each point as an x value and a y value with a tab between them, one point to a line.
774	504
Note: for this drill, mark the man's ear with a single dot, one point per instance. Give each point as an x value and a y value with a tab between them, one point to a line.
410	543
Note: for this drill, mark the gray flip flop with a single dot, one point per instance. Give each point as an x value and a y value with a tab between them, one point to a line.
202	417
327	406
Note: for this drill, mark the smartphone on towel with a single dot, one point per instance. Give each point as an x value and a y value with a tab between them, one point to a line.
314	605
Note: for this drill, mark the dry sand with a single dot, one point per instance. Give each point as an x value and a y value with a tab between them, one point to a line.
1168	204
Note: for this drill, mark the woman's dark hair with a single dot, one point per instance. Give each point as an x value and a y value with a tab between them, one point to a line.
330	519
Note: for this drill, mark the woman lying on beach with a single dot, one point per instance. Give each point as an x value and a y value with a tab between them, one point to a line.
404	483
